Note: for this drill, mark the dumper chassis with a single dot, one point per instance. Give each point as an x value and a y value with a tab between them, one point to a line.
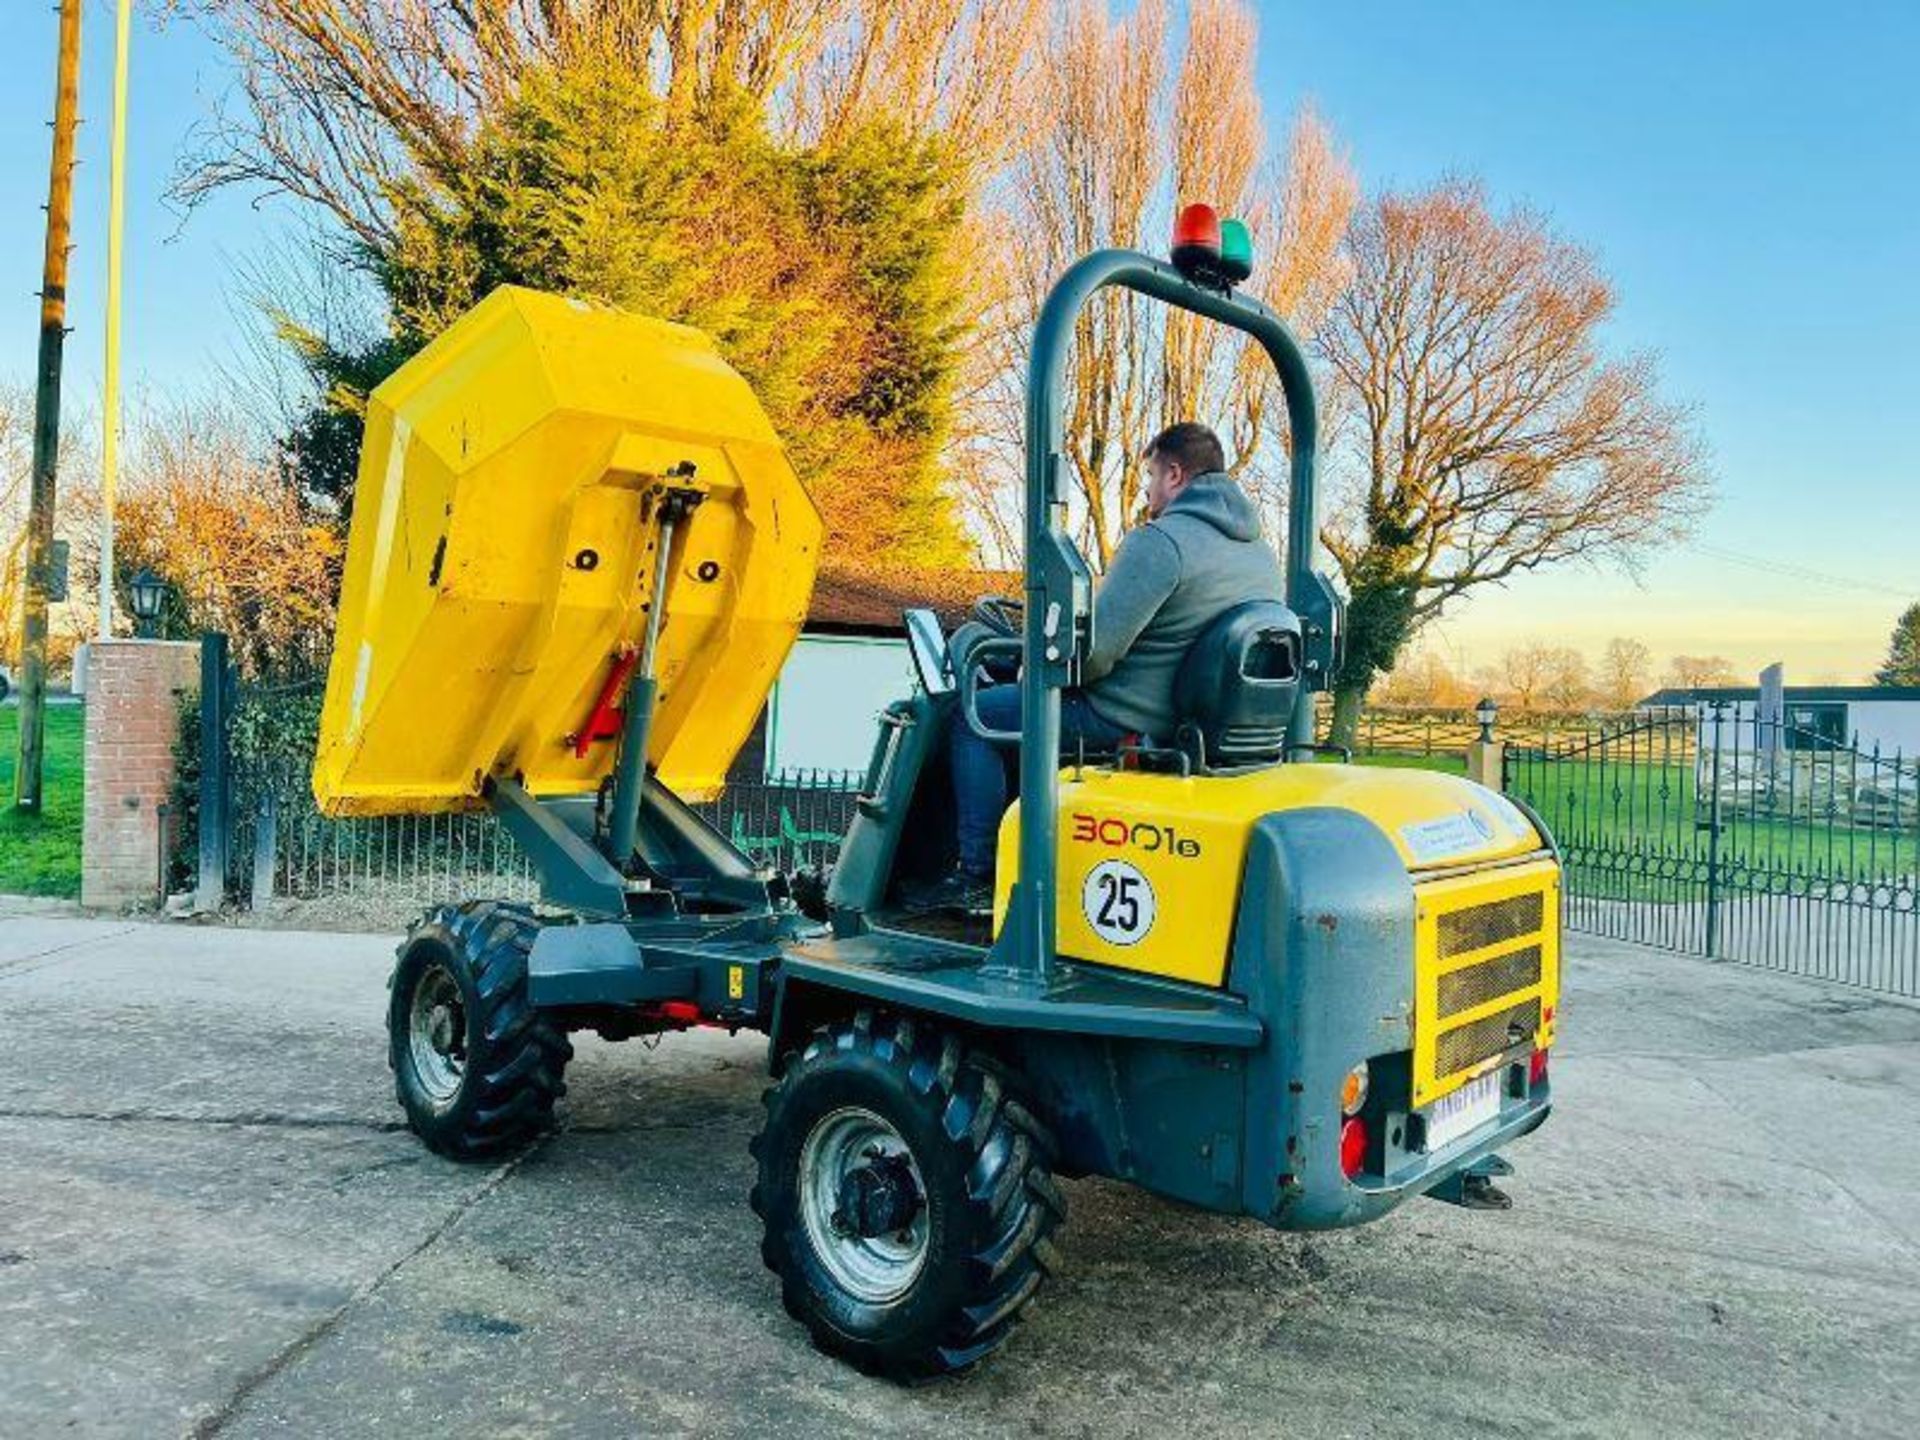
1333	991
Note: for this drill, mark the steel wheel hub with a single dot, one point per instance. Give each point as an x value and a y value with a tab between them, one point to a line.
863	1204
437	1035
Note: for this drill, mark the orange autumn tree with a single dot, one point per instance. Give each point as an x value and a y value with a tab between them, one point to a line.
793	179
233	535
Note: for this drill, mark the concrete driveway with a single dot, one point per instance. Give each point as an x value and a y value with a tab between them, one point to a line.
211	1224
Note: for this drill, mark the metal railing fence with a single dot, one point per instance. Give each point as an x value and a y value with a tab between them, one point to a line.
1758	842
793	820
278	850
1429	732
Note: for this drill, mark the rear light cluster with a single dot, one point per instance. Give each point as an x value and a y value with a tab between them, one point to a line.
1536	1069
1353	1089
1353	1146
1353	1130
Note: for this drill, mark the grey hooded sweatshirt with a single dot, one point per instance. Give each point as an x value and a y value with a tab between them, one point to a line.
1168	580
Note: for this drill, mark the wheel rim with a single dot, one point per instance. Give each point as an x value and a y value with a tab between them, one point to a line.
873	1268
437	1035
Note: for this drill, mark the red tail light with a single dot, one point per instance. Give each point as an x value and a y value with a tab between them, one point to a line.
1353	1146
1536	1069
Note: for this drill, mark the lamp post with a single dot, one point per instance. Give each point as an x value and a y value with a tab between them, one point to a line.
149	593
1486	712
1486	756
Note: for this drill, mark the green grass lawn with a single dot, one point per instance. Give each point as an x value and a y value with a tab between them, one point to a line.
1657	809
40	854
1452	764
1639	824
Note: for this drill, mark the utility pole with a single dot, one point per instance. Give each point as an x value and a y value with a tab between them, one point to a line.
46	414
110	401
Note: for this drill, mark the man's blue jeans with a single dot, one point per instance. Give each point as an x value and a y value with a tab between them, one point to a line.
980	780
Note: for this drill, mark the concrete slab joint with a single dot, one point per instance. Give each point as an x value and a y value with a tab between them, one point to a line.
133	706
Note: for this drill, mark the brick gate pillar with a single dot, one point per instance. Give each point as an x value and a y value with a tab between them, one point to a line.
1484	763
133	708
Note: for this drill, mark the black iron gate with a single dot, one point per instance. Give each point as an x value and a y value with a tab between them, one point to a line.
1713	832
374	871
262	842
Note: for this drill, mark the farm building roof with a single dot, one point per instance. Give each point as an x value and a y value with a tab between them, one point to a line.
868	600
1676	696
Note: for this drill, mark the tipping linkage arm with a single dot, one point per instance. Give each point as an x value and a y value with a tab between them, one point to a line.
673	504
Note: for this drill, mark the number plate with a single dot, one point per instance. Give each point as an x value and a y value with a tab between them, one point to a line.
1466	1109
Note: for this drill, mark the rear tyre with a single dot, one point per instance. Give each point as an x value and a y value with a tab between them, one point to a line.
475	1066
906	1197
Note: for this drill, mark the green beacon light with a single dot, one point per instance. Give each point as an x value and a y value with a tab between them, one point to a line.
1236	251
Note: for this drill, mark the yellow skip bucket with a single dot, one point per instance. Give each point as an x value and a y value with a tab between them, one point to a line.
501	555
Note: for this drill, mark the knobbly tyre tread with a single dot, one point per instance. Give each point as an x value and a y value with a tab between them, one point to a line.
517	1059
1011	1208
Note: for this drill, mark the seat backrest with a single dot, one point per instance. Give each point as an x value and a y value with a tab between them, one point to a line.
1235	689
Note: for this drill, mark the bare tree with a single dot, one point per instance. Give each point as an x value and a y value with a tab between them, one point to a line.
74	512
1086	183
1537	676
205	505
1491	433
1566	684
1424	678
1625	666
1697	672
1106	169
1523	673
348	102
959	68
15	458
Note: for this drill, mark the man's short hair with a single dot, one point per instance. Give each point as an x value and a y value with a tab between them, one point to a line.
1191	446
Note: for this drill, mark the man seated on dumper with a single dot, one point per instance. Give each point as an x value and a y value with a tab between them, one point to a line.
1199	554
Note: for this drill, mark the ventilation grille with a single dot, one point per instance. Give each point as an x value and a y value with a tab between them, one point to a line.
1467	1045
1479	926
1477	984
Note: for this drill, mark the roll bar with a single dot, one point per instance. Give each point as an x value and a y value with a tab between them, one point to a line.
1059	587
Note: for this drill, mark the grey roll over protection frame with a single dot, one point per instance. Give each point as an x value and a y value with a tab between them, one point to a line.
1059	616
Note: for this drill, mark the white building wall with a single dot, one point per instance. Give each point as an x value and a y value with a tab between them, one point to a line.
824	711
1893	725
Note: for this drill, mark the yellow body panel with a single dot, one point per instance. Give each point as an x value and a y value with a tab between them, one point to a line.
1150	864
1458	960
501	555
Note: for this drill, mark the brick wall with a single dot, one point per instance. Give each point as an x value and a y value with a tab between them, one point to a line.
132	711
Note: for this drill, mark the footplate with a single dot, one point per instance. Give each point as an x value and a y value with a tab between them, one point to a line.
602	965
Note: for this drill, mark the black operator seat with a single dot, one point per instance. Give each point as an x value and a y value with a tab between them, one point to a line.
1235	689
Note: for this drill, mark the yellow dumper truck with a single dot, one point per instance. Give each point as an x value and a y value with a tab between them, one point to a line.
1219	967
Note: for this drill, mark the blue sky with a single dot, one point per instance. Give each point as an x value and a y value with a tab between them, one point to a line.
1748	173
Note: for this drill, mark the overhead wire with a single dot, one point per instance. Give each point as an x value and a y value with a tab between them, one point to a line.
1789	570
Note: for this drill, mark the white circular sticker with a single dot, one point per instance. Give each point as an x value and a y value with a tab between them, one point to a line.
1118	902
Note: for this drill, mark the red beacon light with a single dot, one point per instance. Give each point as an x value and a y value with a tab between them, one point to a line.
1196	239
1209	250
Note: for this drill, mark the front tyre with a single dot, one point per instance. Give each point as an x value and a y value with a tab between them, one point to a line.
475	1066
906	1199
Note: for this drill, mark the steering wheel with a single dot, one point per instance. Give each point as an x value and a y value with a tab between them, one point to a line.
1002	614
